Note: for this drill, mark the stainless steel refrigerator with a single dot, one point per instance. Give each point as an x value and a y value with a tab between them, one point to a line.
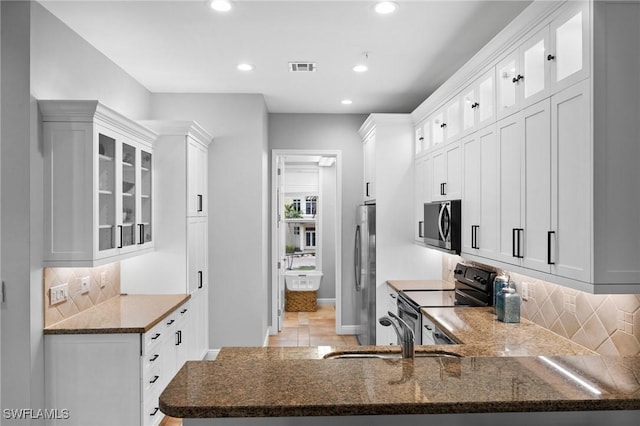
365	271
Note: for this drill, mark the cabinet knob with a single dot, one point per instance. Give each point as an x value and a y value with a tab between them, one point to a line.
550	57
517	78
475	105
443	125
421	138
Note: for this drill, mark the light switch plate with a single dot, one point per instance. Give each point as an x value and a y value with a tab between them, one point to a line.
103	279
59	294
84	285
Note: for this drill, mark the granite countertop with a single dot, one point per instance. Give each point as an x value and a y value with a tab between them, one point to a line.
283	382
404	285
540	373
121	314
479	329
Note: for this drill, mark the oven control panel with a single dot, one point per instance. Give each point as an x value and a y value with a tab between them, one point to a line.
474	276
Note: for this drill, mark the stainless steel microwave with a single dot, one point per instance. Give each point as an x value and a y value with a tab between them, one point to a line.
442	225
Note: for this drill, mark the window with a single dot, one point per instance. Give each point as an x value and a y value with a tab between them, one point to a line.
296	204
296	230
310	206
310	237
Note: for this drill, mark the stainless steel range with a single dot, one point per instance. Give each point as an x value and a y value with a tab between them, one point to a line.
473	287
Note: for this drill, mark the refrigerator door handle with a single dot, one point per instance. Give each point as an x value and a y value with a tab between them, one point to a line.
356	260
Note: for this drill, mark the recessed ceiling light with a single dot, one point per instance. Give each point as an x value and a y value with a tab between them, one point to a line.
346	102
220	5
386	7
245	67
360	68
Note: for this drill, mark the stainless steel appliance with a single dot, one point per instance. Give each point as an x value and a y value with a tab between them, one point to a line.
473	287
442	225
365	273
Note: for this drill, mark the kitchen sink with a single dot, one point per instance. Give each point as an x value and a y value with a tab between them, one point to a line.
387	355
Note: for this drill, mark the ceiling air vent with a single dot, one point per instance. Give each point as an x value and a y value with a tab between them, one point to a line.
302	66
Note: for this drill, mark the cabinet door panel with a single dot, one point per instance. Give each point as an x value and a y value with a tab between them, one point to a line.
487	235
419	199
453	177
471	192
510	186
486	99
438	175
537	145
468	105
570	46
535	68
506	77
452	128
573	200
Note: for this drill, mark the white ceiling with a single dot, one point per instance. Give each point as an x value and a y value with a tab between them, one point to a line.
184	46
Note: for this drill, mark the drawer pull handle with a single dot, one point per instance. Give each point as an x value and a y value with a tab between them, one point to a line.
184	311
155	411
171	322
155	379
156	336
154	357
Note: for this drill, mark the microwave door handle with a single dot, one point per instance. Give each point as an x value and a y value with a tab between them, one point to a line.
440	230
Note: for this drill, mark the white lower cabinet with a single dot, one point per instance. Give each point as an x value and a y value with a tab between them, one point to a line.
391	299
116	379
427	331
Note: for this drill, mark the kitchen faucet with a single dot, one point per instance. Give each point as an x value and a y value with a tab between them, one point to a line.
404	332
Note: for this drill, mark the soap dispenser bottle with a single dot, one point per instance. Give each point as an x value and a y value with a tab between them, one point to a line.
508	305
499	282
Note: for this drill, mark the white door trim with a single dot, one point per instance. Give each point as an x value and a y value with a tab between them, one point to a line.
275	153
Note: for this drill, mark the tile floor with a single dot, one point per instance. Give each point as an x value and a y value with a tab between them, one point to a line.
311	329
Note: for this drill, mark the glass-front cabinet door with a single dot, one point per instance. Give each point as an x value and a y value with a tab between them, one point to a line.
146	197
535	68
569	52
127	226
106	193
507	80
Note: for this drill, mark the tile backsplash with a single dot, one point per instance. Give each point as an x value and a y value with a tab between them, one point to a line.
606	323
78	302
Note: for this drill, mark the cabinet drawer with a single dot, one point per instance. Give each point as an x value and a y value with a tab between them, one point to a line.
151	414
153	337
152	379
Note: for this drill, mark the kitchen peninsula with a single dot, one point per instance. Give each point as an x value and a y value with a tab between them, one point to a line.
559	383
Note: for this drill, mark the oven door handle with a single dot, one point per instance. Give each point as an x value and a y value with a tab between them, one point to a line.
404	308
468	296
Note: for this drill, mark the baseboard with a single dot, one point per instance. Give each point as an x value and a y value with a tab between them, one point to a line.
266	337
211	354
331	301
348	329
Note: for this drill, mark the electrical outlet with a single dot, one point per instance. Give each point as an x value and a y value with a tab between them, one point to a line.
103	279
59	294
524	290
84	285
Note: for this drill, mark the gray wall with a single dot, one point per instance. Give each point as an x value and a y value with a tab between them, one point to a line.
41	58
336	132
238	210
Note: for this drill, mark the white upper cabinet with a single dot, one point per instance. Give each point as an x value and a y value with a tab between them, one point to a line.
369	191
550	60
446	178
507	79
437	125
197	178
569	52
534	82
564	151
478	103
452	120
100	194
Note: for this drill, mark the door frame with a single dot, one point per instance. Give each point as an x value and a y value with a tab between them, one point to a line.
275	155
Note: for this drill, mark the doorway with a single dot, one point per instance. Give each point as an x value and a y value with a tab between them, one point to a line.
306	226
